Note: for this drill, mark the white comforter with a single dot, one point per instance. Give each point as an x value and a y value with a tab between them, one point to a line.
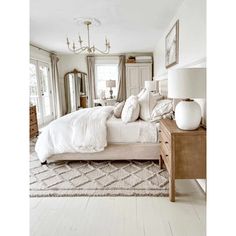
81	131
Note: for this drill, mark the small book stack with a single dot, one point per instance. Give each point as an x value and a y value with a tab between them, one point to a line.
143	59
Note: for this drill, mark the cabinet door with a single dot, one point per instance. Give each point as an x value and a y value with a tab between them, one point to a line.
145	73
132	79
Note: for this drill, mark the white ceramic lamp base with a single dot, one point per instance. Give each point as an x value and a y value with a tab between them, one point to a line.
188	115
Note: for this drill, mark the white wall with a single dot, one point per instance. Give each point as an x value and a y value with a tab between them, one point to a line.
192	36
70	62
192	45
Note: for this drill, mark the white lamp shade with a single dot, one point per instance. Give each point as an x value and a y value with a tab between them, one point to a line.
150	85
111	83
187	83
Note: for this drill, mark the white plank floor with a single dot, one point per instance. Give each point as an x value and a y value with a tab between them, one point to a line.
121	216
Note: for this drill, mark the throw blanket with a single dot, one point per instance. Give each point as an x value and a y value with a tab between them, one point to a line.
81	131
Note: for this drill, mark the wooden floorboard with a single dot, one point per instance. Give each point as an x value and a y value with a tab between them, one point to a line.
121	216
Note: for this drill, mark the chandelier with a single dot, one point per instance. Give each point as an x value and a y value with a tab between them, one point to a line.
79	47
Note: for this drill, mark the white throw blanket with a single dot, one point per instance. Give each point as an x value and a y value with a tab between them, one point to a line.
81	131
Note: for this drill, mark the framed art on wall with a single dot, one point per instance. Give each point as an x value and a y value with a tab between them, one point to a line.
172	46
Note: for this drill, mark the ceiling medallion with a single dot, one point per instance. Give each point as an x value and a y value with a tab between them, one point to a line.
79	47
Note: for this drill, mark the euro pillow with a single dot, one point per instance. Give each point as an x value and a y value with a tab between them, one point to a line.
163	108
157	96
147	102
130	112
141	92
118	109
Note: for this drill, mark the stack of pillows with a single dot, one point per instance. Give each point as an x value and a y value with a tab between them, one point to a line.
147	106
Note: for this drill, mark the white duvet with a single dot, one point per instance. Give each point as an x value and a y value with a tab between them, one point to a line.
81	131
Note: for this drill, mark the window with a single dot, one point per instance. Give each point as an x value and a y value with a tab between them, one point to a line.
107	70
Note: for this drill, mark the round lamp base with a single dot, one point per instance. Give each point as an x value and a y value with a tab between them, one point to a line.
188	115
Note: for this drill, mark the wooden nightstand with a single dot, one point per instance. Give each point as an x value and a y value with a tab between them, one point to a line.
183	152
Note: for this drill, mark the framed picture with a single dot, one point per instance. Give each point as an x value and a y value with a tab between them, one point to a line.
172	46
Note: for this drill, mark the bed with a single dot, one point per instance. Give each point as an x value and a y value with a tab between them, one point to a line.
135	140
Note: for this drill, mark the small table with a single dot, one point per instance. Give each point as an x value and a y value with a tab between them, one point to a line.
183	152
105	102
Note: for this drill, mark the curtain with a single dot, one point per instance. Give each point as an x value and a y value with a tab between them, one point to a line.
68	107
91	80
121	95
57	96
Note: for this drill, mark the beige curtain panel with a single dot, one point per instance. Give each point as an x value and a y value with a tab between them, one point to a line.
57	95
121	96
91	80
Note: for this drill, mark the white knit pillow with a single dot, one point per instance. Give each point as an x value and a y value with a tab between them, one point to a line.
147	102
130	112
162	107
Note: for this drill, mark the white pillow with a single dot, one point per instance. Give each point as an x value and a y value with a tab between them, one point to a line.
147	102
118	109
130	112
157	96
162	107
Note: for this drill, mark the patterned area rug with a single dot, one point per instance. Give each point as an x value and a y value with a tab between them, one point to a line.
96	178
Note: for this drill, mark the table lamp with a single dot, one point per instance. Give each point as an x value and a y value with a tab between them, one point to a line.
111	84
187	84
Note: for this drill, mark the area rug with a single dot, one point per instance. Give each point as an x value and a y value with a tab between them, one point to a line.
96	178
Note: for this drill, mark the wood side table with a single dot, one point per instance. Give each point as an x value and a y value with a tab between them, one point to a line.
183	152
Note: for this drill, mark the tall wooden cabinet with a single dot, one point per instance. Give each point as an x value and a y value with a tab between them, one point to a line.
136	74
34	131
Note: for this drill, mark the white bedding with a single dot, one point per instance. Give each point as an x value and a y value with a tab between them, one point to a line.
82	131
134	132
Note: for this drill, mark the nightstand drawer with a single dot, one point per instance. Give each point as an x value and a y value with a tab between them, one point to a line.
165	140
166	156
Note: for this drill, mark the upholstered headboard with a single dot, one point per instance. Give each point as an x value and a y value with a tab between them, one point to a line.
163	87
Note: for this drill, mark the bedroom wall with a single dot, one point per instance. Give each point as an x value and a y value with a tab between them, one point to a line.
192	46
192	37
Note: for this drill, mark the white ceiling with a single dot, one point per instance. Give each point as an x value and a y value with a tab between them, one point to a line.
130	25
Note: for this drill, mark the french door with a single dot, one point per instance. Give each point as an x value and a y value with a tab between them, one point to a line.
41	91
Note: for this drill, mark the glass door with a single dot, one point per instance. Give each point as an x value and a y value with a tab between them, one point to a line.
46	92
41	91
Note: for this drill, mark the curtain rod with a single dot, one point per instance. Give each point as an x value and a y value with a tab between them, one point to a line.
41	49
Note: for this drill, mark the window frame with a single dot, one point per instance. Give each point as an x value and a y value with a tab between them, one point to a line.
103	61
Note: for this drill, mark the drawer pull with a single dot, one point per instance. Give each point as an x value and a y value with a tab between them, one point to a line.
166	142
166	155
159	141
159	131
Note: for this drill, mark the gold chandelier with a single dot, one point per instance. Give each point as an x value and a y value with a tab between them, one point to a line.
79	47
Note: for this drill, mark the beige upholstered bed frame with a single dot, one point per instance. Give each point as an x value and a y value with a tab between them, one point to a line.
131	151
